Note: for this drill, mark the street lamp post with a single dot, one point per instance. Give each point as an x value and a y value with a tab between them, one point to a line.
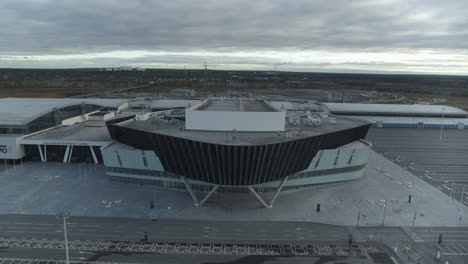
451	193
462	194
414	219
384	211
441	125
358	218
64	216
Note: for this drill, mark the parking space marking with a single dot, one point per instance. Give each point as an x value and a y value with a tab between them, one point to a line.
450	249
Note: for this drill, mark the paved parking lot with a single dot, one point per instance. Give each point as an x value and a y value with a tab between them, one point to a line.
440	162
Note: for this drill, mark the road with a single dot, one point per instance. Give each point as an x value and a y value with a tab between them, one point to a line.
450	235
43	256
173	230
120	240
110	91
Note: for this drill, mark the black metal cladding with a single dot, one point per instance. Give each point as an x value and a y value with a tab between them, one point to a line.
233	164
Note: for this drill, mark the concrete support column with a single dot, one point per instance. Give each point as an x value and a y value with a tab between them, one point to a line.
252	190
94	154
208	195
40	152
189	189
278	190
65	156
70	154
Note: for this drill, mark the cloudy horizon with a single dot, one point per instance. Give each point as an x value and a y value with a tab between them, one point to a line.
391	36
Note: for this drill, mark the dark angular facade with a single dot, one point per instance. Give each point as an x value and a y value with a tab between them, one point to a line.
233	164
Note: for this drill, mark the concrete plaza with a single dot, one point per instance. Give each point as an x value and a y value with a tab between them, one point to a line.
380	197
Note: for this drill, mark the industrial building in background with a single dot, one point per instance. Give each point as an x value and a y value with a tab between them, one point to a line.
410	116
183	92
216	145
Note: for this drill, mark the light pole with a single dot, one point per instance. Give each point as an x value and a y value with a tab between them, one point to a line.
462	194
64	216
414	219
155	201
384	211
358	218
451	194
185	77
441	125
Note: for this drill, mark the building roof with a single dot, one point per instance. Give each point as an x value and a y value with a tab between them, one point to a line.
88	131
385	109
174	128
235	105
170	103
20	111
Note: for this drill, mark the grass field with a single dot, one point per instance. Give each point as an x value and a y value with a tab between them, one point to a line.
457	101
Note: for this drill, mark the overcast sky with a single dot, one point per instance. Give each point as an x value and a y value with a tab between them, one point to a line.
391	36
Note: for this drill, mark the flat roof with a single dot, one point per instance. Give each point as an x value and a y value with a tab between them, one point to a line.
114	145
20	111
85	131
395	109
168	103
235	105
173	128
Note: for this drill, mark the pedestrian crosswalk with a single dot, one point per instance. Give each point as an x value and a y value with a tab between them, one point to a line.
451	249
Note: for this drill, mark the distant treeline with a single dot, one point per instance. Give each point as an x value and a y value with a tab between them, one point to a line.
67	82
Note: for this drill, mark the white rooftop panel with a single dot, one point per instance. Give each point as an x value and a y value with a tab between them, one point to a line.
169	103
394	108
19	111
236	105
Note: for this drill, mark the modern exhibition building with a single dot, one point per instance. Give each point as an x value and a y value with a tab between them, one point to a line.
216	145
236	145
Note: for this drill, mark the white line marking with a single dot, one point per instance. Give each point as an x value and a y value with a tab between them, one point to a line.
86	230
91	225
47	224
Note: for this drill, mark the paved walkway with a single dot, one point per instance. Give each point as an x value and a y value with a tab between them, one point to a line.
47	188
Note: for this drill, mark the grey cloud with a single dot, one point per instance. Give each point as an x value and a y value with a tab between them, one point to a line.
61	27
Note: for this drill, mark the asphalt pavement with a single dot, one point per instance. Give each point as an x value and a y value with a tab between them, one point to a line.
440	157
440	162
173	230
120	240
38	239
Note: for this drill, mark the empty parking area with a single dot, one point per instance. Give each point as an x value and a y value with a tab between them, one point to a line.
438	157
